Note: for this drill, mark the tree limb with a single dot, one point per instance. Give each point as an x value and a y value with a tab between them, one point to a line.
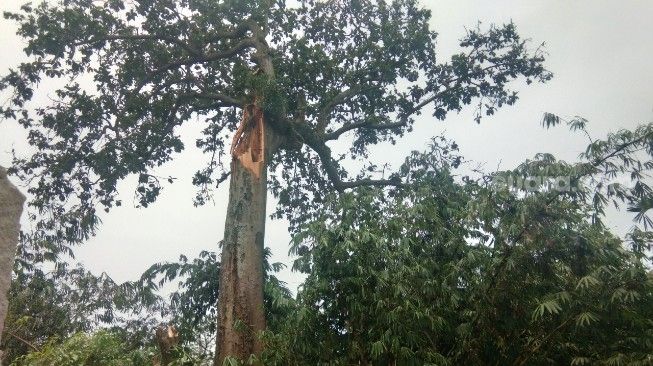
403	118
238	31
528	353
225	99
364	124
240	46
22	340
134	37
331	166
323	116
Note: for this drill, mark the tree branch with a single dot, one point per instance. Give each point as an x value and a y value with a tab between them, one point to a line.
331	166
225	99
367	125
134	37
526	354
238	31
323	116
403	118
22	340
240	46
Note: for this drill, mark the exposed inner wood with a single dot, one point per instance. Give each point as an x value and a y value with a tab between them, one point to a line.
248	144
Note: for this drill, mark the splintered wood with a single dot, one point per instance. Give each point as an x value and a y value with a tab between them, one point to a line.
248	145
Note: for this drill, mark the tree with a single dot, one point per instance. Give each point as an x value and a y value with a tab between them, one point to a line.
66	304
193	307
49	303
286	81
102	348
477	272
445	270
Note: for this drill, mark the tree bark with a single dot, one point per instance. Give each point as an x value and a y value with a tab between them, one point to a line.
241	315
11	208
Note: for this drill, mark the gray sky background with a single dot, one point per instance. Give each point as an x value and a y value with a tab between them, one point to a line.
601	54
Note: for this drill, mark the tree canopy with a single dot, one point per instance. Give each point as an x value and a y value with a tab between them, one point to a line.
131	74
416	266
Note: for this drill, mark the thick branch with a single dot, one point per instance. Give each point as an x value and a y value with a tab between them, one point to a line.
323	117
332	168
403	119
239	47
225	100
135	37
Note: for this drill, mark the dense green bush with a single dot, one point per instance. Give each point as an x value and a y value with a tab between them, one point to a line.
101	348
467	272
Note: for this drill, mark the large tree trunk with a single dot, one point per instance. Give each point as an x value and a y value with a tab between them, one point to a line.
240	302
241	315
11	208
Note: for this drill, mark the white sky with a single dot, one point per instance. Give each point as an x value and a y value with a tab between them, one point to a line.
600	53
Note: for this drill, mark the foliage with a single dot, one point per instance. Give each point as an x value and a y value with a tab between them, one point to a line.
437	269
56	301
130	74
37	311
470	272
64	304
450	270
98	349
193	305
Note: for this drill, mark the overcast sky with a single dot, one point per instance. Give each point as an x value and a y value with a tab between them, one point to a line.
601	55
